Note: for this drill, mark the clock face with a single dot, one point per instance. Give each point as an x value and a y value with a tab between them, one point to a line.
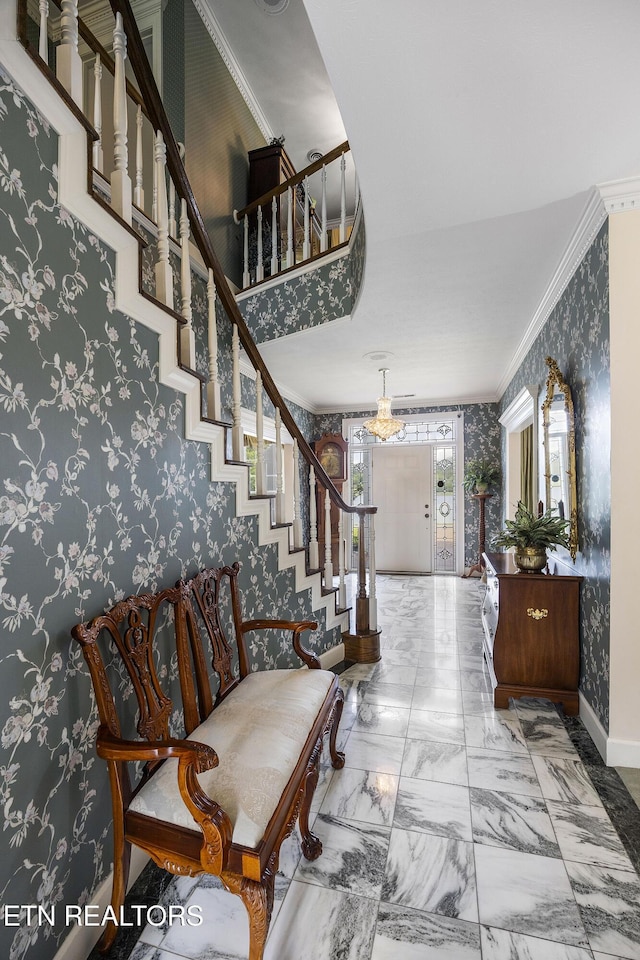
331	460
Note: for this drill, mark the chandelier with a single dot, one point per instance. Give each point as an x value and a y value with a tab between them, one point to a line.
384	425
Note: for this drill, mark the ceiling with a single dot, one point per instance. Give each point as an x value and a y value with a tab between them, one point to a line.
479	131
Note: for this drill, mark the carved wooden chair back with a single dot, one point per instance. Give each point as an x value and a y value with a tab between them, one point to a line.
206	639
131	626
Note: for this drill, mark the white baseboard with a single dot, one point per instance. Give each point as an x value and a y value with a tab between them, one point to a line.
614	752
81	940
330	657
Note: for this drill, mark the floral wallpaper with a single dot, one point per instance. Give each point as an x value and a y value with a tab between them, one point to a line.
101	496
481	439
327	293
576	335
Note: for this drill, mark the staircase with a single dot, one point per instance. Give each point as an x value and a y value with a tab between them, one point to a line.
112	206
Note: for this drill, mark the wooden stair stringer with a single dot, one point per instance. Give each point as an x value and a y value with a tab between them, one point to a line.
74	195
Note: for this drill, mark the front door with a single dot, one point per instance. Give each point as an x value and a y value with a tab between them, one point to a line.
401	489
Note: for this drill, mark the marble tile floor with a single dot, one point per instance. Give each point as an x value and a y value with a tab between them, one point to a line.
454	832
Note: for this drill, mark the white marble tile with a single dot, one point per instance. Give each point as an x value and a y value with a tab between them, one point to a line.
389	721
321	924
359	671
503	945
428	806
370	751
404	642
445	679
609	902
388	672
543	729
397	658
432	725
427	760
470	661
586	835
389	694
290	854
480	704
506	772
499	732
475	681
353	857
565	780
437	699
143	951
361	795
437	660
514	821
431	873
406	934
527	894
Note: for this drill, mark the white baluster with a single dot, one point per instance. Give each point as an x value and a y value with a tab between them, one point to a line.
259	264
274	237
280	511
260	472
297	519
154	199
43	46
373	602
328	562
246	278
342	590
120	179
164	271
98	153
343	199
187	336
138	193
290	252
213	386
323	236
237	436
306	246
68	61
314	559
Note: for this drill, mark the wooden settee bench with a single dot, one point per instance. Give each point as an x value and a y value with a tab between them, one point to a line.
223	799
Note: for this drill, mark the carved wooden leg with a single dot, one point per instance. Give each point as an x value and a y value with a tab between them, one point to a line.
311	845
337	758
121	864
256	898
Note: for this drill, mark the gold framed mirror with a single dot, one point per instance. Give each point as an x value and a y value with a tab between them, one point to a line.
559	439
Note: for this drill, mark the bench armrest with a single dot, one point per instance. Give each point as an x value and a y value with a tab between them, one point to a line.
297	627
193	757
199	755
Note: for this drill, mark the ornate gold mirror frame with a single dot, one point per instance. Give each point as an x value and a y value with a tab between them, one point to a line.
559	437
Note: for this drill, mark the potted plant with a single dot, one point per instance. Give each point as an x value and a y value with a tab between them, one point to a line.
532	536
479	474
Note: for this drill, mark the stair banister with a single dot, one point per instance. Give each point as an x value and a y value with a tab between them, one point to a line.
155	108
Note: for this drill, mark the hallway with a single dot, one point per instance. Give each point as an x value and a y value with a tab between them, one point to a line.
454	832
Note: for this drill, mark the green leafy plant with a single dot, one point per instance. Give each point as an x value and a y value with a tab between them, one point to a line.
526	530
482	472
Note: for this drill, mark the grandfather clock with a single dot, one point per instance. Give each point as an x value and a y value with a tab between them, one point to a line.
331	451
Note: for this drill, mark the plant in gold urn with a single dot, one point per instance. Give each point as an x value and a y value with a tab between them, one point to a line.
532	536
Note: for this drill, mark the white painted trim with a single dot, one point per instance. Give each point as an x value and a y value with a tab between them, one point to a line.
215	31
445	406
620	196
614	752
592	218
519	412
82	939
332	656
593	726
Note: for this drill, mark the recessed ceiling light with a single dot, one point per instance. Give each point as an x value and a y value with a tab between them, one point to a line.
314	155
378	356
272	6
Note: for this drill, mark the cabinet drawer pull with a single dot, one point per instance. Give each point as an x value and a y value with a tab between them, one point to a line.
537	614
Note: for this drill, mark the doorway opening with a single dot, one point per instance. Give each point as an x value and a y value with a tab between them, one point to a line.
414	480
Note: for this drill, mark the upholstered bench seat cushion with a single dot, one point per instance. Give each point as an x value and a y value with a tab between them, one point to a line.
258	733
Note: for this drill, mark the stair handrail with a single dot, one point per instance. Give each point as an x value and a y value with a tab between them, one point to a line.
293	181
157	114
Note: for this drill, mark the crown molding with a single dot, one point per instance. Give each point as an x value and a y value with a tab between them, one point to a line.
620	196
214	30
421	405
586	230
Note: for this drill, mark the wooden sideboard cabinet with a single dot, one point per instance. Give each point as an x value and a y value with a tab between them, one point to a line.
531	632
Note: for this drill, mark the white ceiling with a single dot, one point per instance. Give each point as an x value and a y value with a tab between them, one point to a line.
478	130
